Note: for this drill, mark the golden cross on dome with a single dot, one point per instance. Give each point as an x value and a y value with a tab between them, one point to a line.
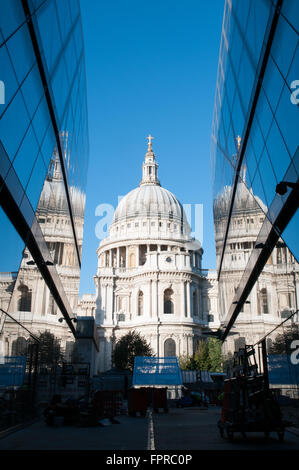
149	138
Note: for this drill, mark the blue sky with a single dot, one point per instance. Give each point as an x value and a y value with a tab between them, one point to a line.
151	68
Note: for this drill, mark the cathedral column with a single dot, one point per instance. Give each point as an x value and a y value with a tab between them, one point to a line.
198	301
155	298
109	303
200	311
150	299
147	300
253	301
137	255
110	259
127	257
185	344
117	257
130	305
183	304
103	300
188	295
108	352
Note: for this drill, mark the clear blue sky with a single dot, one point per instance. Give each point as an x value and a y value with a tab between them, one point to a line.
151	68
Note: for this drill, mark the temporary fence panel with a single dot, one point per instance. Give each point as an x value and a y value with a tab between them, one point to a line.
156	371
12	370
192	376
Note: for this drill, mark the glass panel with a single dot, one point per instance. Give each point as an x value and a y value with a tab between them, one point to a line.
290	10
277	152
26	156
263	120
36	181
287	117
290	235
41	122
257	23
8	78
32	90
267	176
50	36
12	130
60	89
12	16
21	52
272	84
284	45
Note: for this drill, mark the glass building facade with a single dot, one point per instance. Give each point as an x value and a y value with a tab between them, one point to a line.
255	167
43	169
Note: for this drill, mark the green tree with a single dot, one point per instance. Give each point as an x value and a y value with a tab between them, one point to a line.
130	345
202	356
282	342
188	362
49	350
215	355
184	361
208	356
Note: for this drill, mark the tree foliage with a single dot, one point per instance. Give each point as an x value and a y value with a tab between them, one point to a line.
49	350
215	355
208	356
282	342
130	345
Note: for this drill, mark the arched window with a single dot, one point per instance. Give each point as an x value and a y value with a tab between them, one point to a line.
168	301
264	301
195	303
24	304
169	348
140	303
19	347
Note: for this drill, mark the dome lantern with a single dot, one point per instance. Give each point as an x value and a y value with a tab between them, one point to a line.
149	166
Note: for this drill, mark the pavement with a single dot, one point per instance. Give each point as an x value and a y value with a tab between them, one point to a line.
196	429
180	429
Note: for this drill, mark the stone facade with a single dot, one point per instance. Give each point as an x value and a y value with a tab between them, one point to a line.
150	277
24	294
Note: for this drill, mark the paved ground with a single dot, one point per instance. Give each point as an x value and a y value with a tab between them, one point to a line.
180	429
130	434
190	429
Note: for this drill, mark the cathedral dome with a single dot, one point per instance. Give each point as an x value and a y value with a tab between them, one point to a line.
150	206
245	201
53	196
149	201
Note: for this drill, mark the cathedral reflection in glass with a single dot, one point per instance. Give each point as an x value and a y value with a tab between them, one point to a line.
254	150
44	159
